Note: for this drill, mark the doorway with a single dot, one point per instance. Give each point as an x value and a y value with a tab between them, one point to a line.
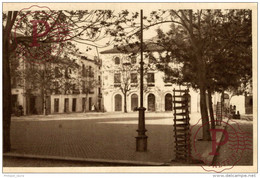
168	102
134	102
66	105
118	102
74	104
151	102
89	103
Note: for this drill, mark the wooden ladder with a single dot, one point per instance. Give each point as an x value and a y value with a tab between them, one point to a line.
181	125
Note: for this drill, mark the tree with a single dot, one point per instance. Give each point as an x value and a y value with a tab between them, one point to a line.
46	78
73	26
11	17
87	80
203	42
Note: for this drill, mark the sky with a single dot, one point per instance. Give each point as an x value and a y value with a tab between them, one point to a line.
147	34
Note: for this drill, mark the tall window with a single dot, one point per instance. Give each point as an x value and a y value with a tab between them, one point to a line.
56	105
150	77
83	87
99	79
91	72
117	78
134	78
117	60
83	71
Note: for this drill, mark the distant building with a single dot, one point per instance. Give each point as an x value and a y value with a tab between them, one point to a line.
78	96
157	93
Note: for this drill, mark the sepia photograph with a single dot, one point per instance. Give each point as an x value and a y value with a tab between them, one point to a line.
129	87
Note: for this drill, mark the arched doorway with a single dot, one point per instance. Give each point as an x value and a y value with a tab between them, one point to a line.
189	101
118	102
151	102
168	102
134	101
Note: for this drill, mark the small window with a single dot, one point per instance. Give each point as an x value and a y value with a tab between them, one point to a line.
117	78
117	60
150	77
133	78
133	60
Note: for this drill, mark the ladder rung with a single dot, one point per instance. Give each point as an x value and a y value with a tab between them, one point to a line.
181	130
182	149
182	102
181	119
182	146
180	107
179	90
181	125
184	152
180	136
181	141
181	114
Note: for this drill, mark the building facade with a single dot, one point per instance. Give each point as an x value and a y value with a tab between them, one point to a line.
79	89
157	93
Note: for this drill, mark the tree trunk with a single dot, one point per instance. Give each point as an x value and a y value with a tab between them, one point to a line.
203	100
204	115
211	112
6	97
44	105
85	106
125	105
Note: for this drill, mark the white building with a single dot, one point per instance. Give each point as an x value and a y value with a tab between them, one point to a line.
156	92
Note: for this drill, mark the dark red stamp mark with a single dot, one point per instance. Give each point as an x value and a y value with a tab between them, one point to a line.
40	34
230	137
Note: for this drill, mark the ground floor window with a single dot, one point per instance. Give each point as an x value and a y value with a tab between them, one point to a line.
118	102
56	105
249	104
66	105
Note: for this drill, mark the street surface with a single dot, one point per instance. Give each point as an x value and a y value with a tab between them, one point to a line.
108	136
245	144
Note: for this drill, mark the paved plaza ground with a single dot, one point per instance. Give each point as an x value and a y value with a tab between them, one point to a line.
108	136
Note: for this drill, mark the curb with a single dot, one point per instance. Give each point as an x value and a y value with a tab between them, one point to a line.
87	160
214	157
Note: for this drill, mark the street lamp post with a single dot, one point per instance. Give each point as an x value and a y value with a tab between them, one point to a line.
141	139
